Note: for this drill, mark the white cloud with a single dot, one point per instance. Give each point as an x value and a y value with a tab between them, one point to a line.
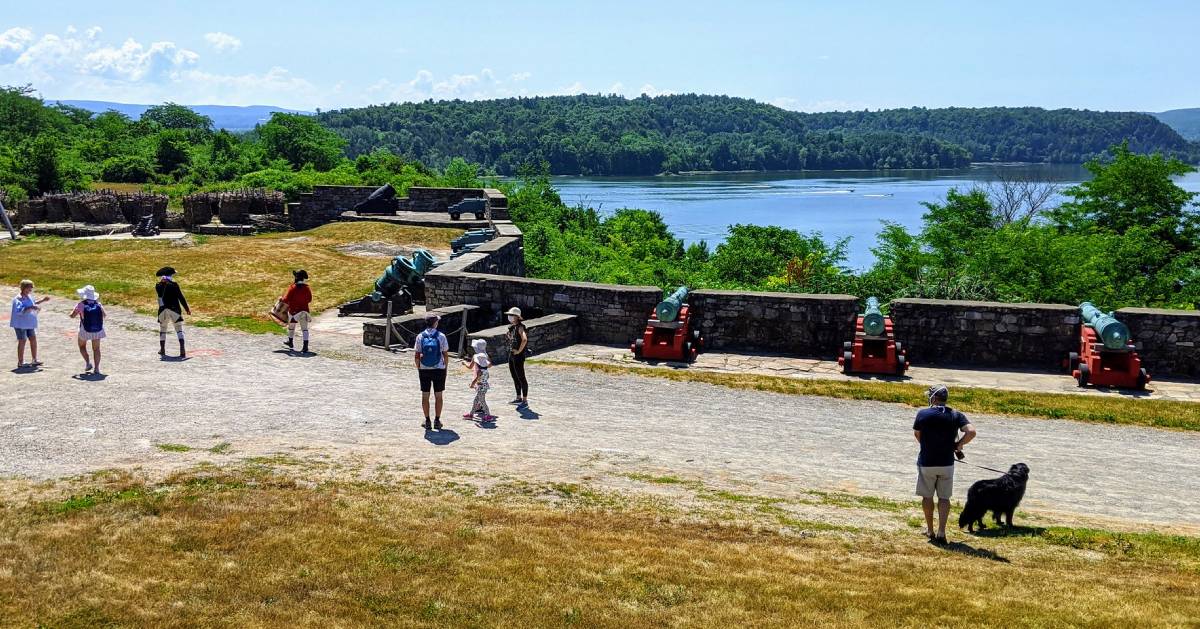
134	62
222	42
568	90
650	90
246	89
13	42
795	104
519	76
617	88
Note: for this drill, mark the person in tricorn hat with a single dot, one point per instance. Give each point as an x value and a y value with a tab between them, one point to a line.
431	355
171	306
297	297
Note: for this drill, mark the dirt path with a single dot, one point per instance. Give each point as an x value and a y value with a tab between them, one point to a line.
359	404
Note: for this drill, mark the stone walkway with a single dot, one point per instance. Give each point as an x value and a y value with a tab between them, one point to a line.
795	367
358	406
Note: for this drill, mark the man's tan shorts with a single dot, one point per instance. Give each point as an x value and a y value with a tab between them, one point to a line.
939	480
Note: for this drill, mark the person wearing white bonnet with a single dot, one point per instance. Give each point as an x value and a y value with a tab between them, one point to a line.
91	326
479	364
518	346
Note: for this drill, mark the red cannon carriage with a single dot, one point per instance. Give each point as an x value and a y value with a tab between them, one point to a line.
1107	356
874	348
669	334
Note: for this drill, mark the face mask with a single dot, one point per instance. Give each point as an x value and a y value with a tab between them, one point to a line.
512	319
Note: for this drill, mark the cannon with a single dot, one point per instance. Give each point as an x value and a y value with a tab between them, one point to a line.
472	237
669	333
1107	356
381	201
478	207
874	348
402	284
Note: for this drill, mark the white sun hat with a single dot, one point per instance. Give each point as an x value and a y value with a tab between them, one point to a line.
88	292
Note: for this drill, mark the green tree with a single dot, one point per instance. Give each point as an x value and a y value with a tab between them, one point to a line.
952	227
301	140
1131	190
173	116
172	151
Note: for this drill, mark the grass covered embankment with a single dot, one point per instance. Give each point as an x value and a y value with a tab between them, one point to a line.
230	281
1085	408
250	546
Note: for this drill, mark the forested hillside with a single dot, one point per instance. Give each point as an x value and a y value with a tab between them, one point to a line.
1185	121
642	136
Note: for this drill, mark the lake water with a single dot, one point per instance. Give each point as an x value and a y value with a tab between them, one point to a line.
842	204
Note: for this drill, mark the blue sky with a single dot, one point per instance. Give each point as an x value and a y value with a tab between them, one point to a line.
810	56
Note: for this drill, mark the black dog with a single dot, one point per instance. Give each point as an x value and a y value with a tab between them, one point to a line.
1000	496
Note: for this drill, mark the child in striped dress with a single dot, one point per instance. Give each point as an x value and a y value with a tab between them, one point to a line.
479	365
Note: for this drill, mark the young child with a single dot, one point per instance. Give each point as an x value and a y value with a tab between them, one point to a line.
24	320
479	364
91	325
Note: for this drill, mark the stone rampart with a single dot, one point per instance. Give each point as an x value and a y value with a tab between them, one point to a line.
1168	341
545	333
807	325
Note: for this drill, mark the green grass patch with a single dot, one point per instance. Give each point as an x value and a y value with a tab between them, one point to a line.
220	448
173	447
863	502
657	480
1143	545
1086	408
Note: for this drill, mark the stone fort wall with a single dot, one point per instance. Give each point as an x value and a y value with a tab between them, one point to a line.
935	332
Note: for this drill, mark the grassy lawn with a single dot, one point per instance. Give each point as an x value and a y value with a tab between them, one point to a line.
248	547
229	281
1088	408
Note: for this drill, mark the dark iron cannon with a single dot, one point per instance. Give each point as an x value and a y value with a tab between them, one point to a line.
478	207
381	201
402	283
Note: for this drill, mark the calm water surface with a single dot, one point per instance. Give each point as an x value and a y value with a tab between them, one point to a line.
843	204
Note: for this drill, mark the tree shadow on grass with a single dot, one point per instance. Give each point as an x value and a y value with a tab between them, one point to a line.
441	437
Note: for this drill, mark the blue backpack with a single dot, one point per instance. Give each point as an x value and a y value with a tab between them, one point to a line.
93	318
431	349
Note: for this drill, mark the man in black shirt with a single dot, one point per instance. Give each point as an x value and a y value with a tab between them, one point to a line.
171	306
936	429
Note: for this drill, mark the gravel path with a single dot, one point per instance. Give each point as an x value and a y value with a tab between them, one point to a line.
359	404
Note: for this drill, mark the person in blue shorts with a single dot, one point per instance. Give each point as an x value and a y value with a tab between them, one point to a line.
24	320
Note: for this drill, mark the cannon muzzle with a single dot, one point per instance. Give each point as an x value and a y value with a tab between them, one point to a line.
873	322
1113	333
668	309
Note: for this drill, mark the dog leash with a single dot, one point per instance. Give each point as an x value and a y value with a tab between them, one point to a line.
990	469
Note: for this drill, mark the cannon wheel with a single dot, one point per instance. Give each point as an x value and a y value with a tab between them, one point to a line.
1072	362
847	346
638	345
1084	373
900	365
1142	379
846	358
454	217
899	348
479	216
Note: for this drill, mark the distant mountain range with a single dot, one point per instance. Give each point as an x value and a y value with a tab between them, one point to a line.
1185	121
223	116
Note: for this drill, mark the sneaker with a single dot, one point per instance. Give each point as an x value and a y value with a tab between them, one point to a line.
87	368
523	404
488	418
437	424
515	401
426	424
468	415
288	344
36	363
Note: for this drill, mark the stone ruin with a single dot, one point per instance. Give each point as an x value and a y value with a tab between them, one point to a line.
89	213
244	211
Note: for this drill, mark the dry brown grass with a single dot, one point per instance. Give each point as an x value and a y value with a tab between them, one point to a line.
1088	408
251	549
228	280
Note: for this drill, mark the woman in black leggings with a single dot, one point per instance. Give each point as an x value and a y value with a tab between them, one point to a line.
518	343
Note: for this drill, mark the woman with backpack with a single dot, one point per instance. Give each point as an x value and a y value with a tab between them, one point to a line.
91	326
518	344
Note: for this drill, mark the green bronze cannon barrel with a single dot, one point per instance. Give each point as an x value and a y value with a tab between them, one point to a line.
668	309
1112	333
873	323
403	273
